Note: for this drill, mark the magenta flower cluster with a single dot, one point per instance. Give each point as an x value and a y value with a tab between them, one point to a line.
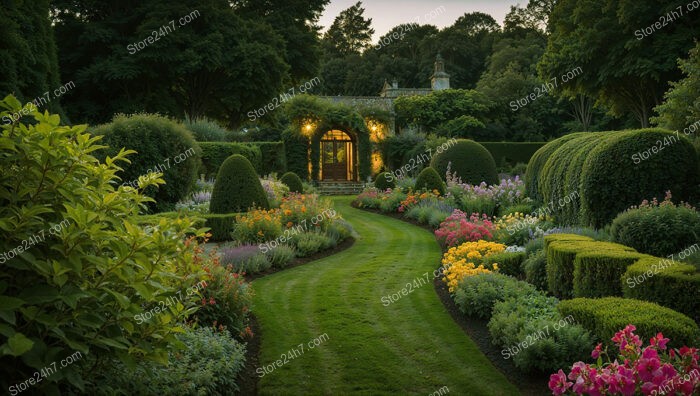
654	370
458	228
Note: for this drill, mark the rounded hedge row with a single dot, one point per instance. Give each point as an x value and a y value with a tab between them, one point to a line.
559	183
611	171
237	187
429	179
612	180
292	180
472	162
537	162
384	181
606	316
162	146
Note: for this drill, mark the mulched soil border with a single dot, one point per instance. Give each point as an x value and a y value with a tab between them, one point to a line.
477	329
248	379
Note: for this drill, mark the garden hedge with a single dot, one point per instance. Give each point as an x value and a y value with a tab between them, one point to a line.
613	171
273	157
384	181
296	150
237	188
671	284
537	162
469	160
430	180
611	181
512	152
559	181
163	146
291	180
597	273
215	153
606	316
561	253
220	226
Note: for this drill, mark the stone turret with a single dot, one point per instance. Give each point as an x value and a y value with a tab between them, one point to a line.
440	80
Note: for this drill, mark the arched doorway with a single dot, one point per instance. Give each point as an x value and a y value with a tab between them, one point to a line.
337	156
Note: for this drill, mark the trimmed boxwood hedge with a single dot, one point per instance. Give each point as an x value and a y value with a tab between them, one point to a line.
606	316
611	181
296	149
291	180
672	284
470	160
537	162
237	188
384	181
512	152
220	225
561	253
597	273
429	179
273	157
215	153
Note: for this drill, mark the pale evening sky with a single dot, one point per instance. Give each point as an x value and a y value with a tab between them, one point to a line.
386	14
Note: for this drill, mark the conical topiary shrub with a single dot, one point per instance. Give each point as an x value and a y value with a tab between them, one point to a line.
472	163
430	180
385	180
291	180
237	187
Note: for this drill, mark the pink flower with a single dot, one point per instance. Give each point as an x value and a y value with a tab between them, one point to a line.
558	384
659	341
596	352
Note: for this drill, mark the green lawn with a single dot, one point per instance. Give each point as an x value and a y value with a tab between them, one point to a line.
411	346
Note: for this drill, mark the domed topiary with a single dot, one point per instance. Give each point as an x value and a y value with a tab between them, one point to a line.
162	146
237	187
384	181
291	180
430	180
472	163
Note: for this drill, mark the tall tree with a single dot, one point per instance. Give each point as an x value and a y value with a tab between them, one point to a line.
218	64
28	59
682	106
350	33
623	68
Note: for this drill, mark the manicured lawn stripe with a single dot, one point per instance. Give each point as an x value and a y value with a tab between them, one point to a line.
411	346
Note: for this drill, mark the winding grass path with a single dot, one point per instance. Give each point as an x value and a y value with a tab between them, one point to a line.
411	346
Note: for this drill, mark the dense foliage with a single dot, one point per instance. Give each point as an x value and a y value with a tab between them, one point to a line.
430	180
90	271
237	187
468	161
291	180
162	146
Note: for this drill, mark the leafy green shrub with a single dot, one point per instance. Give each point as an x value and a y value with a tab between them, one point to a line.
237	187
478	204
535	269
535	335
162	146
627	178
291	180
605	316
476	295
508	262
296	151
308	243
597	273
430	180
561	256
513	153
208	365
659	230
281	256
80	287
339	230
205	130
384	181
215	153
469	160
665	282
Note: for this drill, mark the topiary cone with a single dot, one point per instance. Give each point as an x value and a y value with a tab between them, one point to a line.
237	187
291	180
